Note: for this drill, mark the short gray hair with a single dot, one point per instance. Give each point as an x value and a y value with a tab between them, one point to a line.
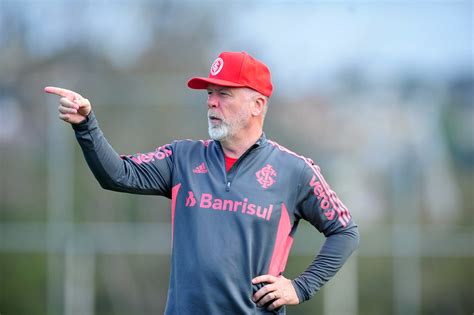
254	93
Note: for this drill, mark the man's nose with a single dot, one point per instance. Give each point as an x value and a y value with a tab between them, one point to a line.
212	101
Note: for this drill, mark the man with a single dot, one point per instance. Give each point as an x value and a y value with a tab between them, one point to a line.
236	199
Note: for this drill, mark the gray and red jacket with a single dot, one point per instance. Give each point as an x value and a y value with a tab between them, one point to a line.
229	227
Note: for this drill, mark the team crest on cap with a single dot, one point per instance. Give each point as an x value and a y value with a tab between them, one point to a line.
217	66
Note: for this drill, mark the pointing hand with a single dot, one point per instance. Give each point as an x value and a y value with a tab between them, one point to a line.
73	108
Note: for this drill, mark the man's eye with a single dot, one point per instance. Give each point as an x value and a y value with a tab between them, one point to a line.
224	93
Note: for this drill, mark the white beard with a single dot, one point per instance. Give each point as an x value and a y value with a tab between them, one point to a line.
218	132
228	128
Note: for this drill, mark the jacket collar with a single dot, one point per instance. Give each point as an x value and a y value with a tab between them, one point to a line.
262	140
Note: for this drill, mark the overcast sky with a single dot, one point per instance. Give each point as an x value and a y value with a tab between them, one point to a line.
300	40
383	37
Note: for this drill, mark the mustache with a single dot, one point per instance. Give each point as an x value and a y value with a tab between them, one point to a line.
211	114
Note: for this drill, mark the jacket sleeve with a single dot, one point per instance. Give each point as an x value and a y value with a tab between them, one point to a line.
319	204
148	173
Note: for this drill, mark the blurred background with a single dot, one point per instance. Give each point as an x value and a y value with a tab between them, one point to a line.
379	93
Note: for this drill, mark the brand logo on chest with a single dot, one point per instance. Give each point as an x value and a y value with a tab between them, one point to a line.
200	169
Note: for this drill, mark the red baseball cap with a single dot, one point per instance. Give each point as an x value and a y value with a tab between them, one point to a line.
236	69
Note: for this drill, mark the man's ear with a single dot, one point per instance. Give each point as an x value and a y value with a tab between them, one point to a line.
258	105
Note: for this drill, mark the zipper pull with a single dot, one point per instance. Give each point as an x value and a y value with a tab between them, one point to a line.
227	188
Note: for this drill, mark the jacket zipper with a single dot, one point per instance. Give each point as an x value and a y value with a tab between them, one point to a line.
233	170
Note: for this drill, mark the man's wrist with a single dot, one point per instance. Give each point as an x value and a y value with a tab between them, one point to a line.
299	292
85	123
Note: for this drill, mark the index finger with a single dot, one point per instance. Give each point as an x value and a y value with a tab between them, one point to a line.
264	278
71	95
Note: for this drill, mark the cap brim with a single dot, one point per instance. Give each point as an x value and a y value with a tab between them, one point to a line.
200	83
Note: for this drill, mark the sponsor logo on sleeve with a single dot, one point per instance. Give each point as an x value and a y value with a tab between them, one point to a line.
160	153
320	193
328	201
329	214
